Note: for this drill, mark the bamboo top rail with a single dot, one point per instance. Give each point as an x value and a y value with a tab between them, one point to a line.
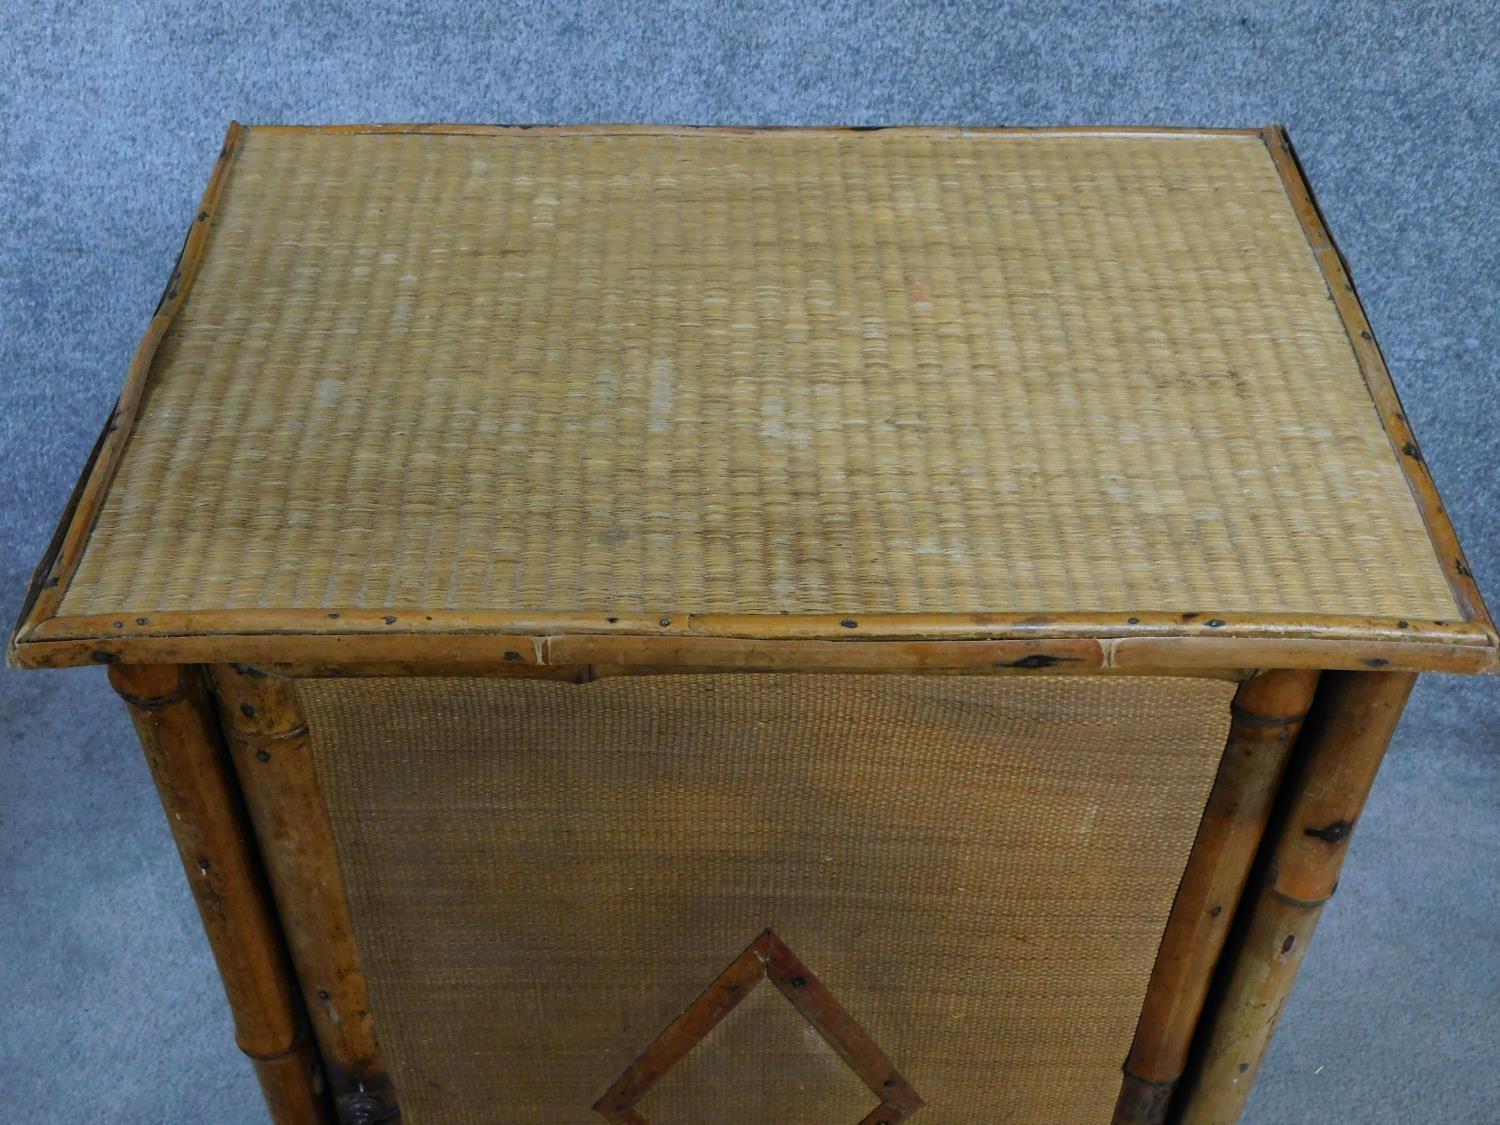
414	392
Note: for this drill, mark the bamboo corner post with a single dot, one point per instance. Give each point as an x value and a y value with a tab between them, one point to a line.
1338	755
1267	713
169	706
268	741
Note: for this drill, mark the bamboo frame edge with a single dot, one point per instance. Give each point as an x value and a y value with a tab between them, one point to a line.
352	623
1000	648
54	574
626	129
29	617
1378	381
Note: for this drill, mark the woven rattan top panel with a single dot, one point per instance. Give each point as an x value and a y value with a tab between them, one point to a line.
761	373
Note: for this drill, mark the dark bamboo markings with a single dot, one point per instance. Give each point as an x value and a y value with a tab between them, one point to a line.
1036	660
1337	756
1265	720
174	719
268	741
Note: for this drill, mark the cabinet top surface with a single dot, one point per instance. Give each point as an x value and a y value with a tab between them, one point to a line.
922	385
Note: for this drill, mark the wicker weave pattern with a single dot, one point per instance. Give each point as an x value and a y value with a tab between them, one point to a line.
758	374
543	875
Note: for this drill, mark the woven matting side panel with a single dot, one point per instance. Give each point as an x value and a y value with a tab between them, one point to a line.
543	876
884	373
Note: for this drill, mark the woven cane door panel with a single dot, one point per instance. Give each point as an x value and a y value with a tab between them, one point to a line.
975	872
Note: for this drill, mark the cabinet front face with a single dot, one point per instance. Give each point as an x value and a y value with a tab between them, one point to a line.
848	891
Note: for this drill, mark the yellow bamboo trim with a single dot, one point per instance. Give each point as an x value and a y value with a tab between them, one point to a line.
521	651
56	570
1101	625
1271	652
741	652
836	627
40	576
588	673
623	129
999	653
1378	378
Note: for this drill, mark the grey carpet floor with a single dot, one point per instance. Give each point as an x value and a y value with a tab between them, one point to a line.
110	115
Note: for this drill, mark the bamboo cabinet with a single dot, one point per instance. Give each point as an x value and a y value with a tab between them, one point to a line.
650	624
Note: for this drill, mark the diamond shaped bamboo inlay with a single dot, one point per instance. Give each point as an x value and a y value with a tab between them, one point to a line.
768	957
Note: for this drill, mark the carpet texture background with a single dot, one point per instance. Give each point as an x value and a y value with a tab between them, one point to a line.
110	115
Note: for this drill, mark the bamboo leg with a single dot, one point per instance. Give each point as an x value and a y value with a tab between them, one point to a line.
1337	758
170	709
268	740
1267	713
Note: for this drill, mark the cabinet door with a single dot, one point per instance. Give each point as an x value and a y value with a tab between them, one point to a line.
969	875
